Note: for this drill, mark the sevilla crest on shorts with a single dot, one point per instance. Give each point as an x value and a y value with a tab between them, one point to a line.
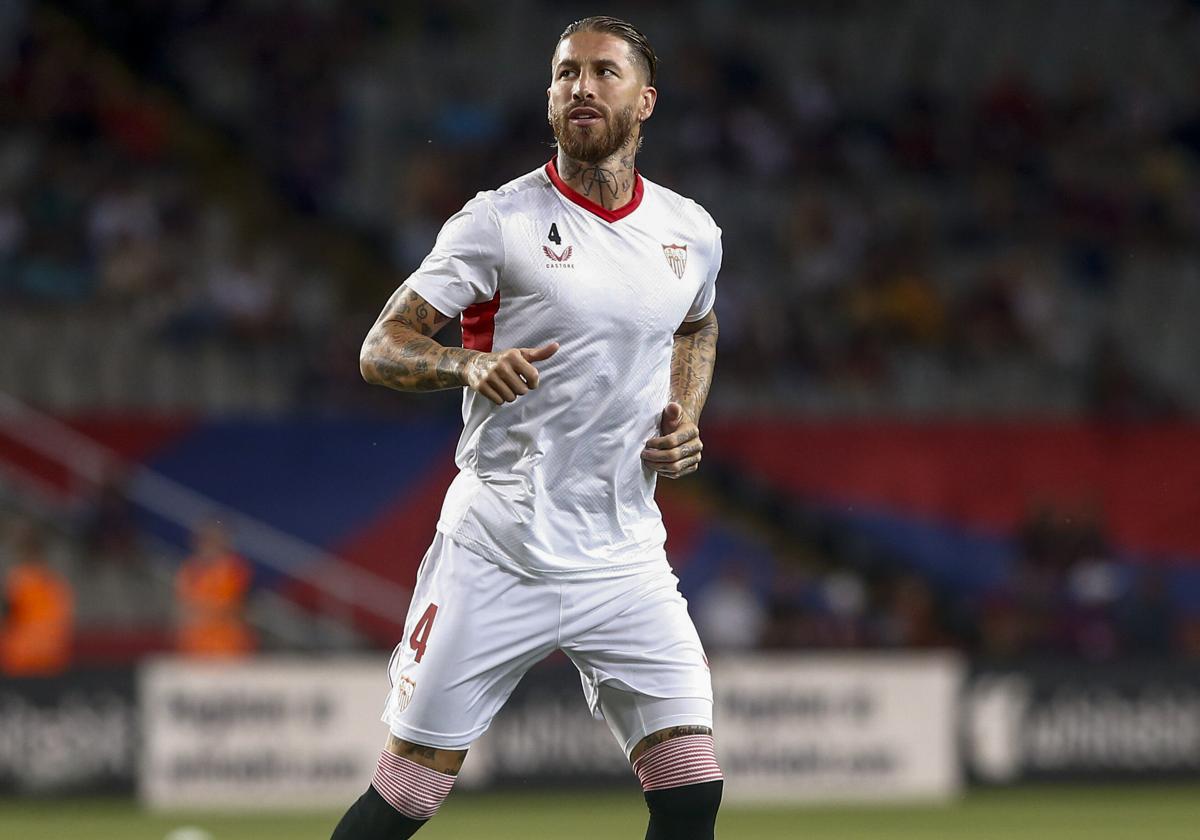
404	692
676	258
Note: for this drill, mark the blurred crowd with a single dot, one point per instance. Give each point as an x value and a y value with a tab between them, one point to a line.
917	223
97	589
94	590
920	241
1062	591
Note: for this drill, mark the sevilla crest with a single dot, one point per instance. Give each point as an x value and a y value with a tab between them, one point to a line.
404	692
676	258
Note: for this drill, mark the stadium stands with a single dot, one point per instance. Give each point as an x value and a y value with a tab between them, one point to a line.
199	218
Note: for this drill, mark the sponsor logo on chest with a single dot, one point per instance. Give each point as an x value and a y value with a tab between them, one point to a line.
557	260
676	255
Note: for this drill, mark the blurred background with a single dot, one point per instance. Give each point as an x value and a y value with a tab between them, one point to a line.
955	418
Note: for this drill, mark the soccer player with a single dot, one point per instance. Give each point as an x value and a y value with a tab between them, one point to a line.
586	297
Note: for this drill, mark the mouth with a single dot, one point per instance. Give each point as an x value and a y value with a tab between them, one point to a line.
584	116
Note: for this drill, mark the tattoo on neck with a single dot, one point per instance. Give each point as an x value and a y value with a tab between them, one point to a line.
598	182
608	180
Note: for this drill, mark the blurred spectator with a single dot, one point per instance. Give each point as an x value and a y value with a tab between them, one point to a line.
729	614
110	528
37	631
211	587
1119	392
911	616
116	571
1146	622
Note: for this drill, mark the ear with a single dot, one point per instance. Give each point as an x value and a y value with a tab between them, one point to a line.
649	97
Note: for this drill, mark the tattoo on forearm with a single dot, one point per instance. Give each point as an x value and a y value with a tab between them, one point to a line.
692	362
400	352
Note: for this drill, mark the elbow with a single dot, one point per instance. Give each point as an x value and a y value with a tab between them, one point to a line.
366	365
367	370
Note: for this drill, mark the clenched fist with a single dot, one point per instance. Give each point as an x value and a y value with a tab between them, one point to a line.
504	376
676	452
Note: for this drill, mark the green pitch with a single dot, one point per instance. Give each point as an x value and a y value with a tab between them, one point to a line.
1131	813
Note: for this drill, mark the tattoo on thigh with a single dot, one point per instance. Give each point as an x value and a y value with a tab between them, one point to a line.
656	738
443	761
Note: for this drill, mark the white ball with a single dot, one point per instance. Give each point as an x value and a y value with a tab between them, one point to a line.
188	832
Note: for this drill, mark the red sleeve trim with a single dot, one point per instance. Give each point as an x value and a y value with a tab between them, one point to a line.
591	206
479	325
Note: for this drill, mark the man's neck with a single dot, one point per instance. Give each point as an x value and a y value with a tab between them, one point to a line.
609	182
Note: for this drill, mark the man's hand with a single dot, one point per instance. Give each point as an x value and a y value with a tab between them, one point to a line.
677	452
504	376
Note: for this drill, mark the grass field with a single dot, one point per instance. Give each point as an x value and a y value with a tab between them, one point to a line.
1136	813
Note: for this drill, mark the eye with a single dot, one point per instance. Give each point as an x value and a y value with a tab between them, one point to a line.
607	70
562	74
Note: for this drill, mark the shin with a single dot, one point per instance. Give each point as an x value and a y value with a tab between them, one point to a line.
409	785
682	782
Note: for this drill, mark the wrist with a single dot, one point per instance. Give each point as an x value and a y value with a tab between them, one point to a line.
456	361
689	408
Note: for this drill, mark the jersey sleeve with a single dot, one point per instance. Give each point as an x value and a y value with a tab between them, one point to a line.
464	266
707	296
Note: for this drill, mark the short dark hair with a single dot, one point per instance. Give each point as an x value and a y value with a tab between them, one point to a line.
629	33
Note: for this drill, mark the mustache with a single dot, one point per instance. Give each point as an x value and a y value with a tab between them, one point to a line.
600	141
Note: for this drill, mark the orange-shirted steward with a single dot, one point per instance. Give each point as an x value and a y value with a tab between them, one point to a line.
211	588
36	636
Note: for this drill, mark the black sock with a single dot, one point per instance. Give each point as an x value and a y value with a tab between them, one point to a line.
372	818
684	813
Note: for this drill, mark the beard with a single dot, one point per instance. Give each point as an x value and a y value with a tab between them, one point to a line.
593	143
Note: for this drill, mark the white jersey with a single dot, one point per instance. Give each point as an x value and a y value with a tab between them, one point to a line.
553	485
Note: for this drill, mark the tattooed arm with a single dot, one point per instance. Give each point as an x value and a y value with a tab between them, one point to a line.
399	352
677	451
692	362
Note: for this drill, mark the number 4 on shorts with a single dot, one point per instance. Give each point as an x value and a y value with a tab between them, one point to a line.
420	633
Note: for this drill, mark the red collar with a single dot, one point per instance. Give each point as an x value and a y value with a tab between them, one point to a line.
588	204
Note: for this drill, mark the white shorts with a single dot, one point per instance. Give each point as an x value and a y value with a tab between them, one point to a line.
473	630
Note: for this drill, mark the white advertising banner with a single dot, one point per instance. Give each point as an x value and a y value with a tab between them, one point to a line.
285	733
305	733
839	727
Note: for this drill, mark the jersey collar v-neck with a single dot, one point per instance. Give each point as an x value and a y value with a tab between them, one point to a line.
591	206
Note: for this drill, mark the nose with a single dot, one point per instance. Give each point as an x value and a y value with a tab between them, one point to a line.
582	89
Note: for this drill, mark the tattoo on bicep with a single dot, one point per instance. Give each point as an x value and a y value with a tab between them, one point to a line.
410	310
401	352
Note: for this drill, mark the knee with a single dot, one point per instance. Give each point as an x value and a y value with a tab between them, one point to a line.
694	803
676	757
682	783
